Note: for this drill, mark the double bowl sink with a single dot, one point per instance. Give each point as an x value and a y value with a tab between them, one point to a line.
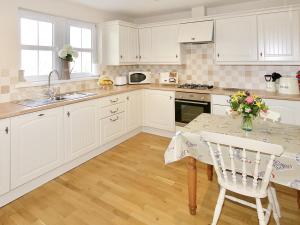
47	101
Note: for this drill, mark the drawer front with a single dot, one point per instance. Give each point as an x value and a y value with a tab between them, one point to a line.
220	99
112	100
112	110
112	127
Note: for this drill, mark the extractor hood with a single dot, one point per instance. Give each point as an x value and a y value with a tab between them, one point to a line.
196	32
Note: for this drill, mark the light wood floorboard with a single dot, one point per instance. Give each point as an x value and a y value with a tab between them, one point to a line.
130	185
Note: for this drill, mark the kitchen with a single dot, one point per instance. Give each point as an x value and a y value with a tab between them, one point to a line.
89	140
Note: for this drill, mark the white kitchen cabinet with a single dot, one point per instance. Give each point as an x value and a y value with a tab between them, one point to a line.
287	109
219	104
112	127
278	35
220	110
236	39
81	128
36	145
145	45
120	43
165	46
134	110
159	109
201	31
4	156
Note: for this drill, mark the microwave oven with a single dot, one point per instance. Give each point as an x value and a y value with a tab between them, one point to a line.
139	77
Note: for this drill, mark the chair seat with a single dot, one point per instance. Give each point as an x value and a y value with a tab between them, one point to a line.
239	188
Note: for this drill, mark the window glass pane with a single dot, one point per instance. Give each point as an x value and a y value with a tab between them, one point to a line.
45	62
75	37
29	32
86	38
77	64
86	62
45	34
29	61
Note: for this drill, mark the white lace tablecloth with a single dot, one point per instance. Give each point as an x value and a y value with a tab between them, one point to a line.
188	142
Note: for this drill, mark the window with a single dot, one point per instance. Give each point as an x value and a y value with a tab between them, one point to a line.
42	36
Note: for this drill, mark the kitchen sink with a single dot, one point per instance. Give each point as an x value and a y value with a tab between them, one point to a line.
47	101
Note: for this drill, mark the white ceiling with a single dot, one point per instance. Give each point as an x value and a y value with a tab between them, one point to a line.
140	8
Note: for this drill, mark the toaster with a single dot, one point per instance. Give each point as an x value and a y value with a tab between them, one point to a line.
288	85
120	80
168	78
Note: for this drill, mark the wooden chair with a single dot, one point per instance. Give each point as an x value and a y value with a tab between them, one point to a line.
234	174
270	115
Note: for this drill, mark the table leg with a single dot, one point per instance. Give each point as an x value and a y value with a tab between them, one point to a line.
192	185
210	172
298	199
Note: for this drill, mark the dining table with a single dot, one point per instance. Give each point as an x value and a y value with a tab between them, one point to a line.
187	143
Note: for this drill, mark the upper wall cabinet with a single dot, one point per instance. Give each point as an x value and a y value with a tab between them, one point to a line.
165	46
120	44
236	39
196	32
145	44
278	35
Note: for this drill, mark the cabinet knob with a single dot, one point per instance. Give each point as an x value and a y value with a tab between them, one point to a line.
261	54
121	56
6	130
171	97
113	120
114	111
114	101
176	56
218	55
127	98
68	114
136	57
140	56
193	39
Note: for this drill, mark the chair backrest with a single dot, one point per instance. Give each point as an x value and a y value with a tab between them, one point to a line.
223	149
270	115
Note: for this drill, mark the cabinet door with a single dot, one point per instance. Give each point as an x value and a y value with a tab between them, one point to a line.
145	44
165	46
36	145
134	110
287	109
279	36
159	109
128	45
4	156
196	32
236	39
112	128
82	130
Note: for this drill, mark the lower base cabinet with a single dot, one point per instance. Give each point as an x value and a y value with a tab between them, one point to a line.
4	156
112	127
36	145
81	128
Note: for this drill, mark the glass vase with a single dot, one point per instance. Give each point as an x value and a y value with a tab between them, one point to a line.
247	124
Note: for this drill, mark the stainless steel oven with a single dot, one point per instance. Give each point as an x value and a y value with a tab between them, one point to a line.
190	105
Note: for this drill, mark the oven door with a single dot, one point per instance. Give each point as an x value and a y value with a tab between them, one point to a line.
186	111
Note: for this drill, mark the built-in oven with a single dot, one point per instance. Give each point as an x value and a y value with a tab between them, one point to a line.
190	105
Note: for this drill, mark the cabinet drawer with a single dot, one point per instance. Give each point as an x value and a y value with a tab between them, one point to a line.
112	100
220	99
112	127
112	110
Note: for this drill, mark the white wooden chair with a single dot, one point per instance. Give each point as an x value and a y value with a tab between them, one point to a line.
270	115
234	173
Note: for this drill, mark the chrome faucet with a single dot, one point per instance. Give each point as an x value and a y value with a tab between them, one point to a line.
50	92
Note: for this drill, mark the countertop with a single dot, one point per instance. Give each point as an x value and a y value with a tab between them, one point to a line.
11	109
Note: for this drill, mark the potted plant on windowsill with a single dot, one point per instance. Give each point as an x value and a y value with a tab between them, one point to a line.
248	106
67	55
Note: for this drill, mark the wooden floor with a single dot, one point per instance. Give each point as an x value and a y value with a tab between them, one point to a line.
131	185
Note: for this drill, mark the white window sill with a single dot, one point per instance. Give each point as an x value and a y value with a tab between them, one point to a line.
53	82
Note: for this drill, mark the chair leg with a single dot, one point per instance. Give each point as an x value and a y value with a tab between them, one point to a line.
219	206
275	201
273	204
260	212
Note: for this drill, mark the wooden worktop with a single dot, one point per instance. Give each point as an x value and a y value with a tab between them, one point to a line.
11	109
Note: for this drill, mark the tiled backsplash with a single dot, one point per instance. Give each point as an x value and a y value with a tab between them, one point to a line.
198	67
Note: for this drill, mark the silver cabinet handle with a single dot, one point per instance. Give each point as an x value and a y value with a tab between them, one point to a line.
113	101
114	111
6	130
196	103
41	114
113	120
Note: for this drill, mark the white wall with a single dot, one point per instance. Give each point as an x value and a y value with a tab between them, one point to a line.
9	38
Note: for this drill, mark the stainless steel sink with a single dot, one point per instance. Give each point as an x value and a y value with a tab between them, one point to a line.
46	101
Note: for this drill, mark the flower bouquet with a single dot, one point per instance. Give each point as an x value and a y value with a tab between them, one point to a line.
68	55
248	106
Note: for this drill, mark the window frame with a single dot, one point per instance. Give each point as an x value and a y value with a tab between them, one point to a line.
60	37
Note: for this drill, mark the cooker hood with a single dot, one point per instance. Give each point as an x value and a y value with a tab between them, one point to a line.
196	32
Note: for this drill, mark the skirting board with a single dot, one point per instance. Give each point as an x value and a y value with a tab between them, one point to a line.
159	132
25	188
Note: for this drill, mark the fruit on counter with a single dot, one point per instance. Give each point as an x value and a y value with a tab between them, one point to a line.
105	80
